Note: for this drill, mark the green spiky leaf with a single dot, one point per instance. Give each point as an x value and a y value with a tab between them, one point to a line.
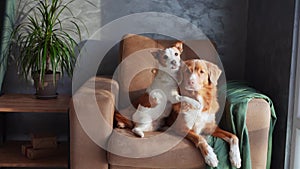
44	42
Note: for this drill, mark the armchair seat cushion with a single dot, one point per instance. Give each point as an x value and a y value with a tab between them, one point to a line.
182	155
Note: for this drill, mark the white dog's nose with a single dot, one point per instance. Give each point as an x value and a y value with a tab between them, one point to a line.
173	62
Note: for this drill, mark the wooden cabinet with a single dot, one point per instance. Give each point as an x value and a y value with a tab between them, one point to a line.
10	151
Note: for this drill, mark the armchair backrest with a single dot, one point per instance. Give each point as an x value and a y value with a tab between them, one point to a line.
135	71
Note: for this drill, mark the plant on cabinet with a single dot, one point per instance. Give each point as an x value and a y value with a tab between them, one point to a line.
44	43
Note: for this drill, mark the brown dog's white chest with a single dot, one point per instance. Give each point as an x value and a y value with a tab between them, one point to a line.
199	82
194	119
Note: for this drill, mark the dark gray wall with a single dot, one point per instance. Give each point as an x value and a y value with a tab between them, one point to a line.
223	21
268	60
2	10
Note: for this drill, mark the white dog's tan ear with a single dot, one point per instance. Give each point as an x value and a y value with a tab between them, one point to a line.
213	71
179	46
157	53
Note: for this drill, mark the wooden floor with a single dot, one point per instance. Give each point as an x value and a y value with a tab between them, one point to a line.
11	156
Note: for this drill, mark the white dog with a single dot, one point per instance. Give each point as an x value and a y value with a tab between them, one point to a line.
163	90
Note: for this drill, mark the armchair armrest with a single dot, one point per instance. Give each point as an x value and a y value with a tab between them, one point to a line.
91	122
258	125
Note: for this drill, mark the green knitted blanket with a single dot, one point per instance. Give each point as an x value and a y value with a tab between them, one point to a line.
234	120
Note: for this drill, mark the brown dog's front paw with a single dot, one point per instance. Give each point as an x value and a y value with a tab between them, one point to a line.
235	157
211	158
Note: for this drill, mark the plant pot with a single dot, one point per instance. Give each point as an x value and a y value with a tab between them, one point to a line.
48	90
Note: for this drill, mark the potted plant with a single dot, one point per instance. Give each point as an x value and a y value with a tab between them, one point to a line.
44	43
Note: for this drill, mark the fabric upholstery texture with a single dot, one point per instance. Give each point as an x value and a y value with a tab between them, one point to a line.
258	128
124	167
183	155
257	122
85	153
238	97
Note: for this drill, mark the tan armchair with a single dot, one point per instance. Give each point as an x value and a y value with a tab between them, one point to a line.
86	154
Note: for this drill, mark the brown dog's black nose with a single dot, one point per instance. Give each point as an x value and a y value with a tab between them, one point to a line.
173	62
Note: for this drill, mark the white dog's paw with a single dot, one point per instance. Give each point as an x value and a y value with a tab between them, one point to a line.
138	132
158	95
197	105
178	98
234	155
211	158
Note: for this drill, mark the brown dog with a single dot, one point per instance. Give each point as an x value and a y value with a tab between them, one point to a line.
199	82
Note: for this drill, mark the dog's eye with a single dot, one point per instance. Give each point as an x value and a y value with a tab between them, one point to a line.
176	54
201	71
166	57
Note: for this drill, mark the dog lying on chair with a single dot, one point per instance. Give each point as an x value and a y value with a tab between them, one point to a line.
199	82
156	103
